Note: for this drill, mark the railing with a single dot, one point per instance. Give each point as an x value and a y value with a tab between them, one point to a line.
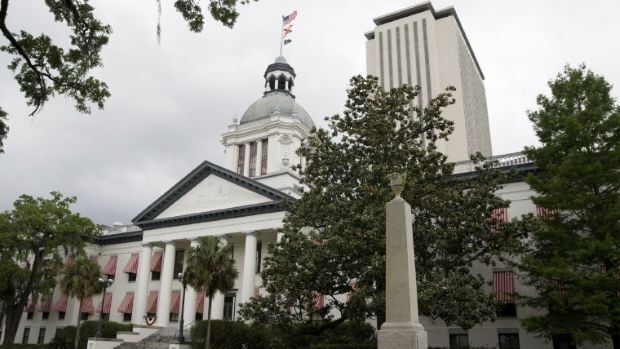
504	160
118	229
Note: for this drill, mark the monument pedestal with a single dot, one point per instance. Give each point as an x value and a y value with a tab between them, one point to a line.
402	328
397	336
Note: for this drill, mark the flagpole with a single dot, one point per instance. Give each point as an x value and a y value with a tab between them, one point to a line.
281	37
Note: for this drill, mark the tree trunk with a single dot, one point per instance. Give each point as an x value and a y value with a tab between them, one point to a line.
13	315
77	328
615	339
208	340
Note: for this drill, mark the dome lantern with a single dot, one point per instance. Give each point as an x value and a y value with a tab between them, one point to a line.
279	77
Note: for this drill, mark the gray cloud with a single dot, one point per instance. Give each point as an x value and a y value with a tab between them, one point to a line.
171	102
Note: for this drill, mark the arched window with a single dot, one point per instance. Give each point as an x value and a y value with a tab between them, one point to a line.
291	83
281	82
272	83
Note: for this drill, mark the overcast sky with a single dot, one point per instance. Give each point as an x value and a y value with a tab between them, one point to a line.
171	101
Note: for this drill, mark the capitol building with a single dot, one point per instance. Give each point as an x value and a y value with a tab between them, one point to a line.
243	201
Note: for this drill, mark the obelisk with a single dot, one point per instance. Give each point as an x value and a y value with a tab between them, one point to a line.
402	328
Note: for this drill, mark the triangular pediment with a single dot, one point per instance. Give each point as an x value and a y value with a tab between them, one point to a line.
211	192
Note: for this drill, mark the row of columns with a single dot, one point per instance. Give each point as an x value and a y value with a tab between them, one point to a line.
259	158
165	288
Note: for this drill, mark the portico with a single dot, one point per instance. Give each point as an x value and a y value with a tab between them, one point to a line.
242	212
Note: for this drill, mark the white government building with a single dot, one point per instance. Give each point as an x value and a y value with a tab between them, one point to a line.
243	201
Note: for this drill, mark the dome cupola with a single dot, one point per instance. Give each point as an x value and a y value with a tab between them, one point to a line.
279	77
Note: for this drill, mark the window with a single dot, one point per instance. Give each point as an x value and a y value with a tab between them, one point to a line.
30	315
131	277
508	341
178	264
106	316
240	158
229	306
563	341
198	316
61	315
259	248
504	288
84	316
26	335
174	317
41	338
263	160
459	341
127	317
253	149
155	275
45	315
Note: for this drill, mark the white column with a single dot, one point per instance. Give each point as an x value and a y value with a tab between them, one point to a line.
259	156
142	288
165	287
279	236
249	267
218	297
189	311
246	160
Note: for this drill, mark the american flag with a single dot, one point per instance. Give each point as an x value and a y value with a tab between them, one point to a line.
288	19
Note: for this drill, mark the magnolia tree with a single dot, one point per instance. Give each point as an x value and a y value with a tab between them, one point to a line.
330	264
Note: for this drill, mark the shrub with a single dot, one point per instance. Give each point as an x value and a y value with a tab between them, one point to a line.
64	337
24	346
232	335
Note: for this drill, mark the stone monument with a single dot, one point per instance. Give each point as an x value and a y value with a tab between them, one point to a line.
402	328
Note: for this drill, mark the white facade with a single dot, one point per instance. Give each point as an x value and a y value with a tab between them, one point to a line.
420	46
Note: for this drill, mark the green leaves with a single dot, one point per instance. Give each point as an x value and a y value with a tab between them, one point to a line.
44	69
334	242
34	238
577	246
80	278
210	267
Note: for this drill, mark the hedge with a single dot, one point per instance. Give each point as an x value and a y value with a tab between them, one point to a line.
24	346
232	335
235	335
64	336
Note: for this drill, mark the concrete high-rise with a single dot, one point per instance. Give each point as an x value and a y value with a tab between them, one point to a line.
421	46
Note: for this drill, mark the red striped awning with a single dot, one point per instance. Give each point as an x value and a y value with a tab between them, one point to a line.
46	304
504	286
156	262
151	302
200	302
132	265
30	305
500	214
542	212
126	306
61	305
256	292
87	306
175	299
110	266
106	304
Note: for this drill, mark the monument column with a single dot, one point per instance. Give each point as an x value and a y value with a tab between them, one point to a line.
189	311
402	328
165	287
142	285
249	267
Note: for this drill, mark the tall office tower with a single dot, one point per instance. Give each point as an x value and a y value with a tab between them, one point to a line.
420	46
